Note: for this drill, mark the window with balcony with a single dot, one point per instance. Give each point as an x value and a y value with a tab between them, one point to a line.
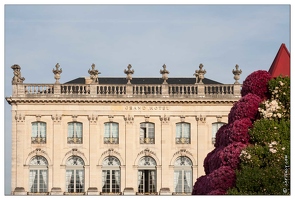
38	133
215	128
38	176
183	133
147	133
111	133
75	133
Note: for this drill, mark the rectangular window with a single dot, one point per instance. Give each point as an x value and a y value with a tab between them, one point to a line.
111	133
147	133
147	181
110	181
215	128
182	181
38	181
75	181
183	133
75	133
38	133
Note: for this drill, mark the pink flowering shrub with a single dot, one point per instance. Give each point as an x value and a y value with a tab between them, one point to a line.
213	160
230	154
217	192
256	83
202	186
246	107
239	130
222	178
222	136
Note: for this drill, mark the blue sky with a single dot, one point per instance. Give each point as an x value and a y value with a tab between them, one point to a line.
146	36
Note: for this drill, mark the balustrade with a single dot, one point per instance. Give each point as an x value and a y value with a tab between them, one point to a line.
39	89
219	89
79	89
111	89
147	89
183	89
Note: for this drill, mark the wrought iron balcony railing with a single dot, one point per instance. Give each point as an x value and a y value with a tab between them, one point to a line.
74	140
38	140
183	140
111	140
147	140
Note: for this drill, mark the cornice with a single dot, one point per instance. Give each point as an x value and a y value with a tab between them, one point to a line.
20	100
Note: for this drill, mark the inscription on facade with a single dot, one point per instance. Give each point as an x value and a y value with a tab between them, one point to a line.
146	108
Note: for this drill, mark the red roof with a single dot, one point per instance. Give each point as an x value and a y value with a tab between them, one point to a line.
281	63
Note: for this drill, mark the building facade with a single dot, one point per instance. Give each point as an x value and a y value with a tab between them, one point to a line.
115	136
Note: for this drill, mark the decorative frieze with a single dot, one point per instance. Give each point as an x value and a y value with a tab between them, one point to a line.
74	152
165	119
182	152
146	152
110	152
129	119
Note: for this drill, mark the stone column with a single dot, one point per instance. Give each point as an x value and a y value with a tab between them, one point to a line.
202	135
57	175
18	155
93	141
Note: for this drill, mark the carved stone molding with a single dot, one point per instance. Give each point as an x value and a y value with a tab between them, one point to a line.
165	119
74	118
56	118
147	118
38	117
129	119
182	118
110	152
111	118
92	119
218	117
183	152
201	118
20	118
74	152
146	152
37	152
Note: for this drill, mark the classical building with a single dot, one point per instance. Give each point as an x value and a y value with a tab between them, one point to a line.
115	136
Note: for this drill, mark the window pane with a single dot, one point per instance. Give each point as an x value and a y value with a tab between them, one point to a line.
42	180
70	181
42	130
79	180
187	181
34	129
186	130
115	130
115	181
70	129
106	181
79	130
151	130
178	181
107	130
33	180
178	130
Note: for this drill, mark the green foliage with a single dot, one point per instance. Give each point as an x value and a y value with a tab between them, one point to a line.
264	167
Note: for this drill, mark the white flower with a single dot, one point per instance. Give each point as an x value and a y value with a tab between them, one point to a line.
281	83
249	157
283	148
274	143
279	115
272	150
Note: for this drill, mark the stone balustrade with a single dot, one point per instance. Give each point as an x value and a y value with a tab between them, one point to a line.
128	90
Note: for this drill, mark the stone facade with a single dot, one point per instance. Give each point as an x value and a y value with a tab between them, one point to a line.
93	105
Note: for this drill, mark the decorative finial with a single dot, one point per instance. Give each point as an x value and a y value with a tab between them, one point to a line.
200	74
237	73
17	75
93	74
164	73
57	73
129	73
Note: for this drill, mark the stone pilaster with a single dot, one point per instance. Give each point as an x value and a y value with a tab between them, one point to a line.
202	135
58	177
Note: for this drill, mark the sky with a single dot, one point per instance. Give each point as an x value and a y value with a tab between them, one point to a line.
36	37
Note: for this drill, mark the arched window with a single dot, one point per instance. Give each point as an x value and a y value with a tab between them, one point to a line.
111	133
38	133
147	175
75	133
147	133
183	133
183	175
215	127
38	179
75	175
111	175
